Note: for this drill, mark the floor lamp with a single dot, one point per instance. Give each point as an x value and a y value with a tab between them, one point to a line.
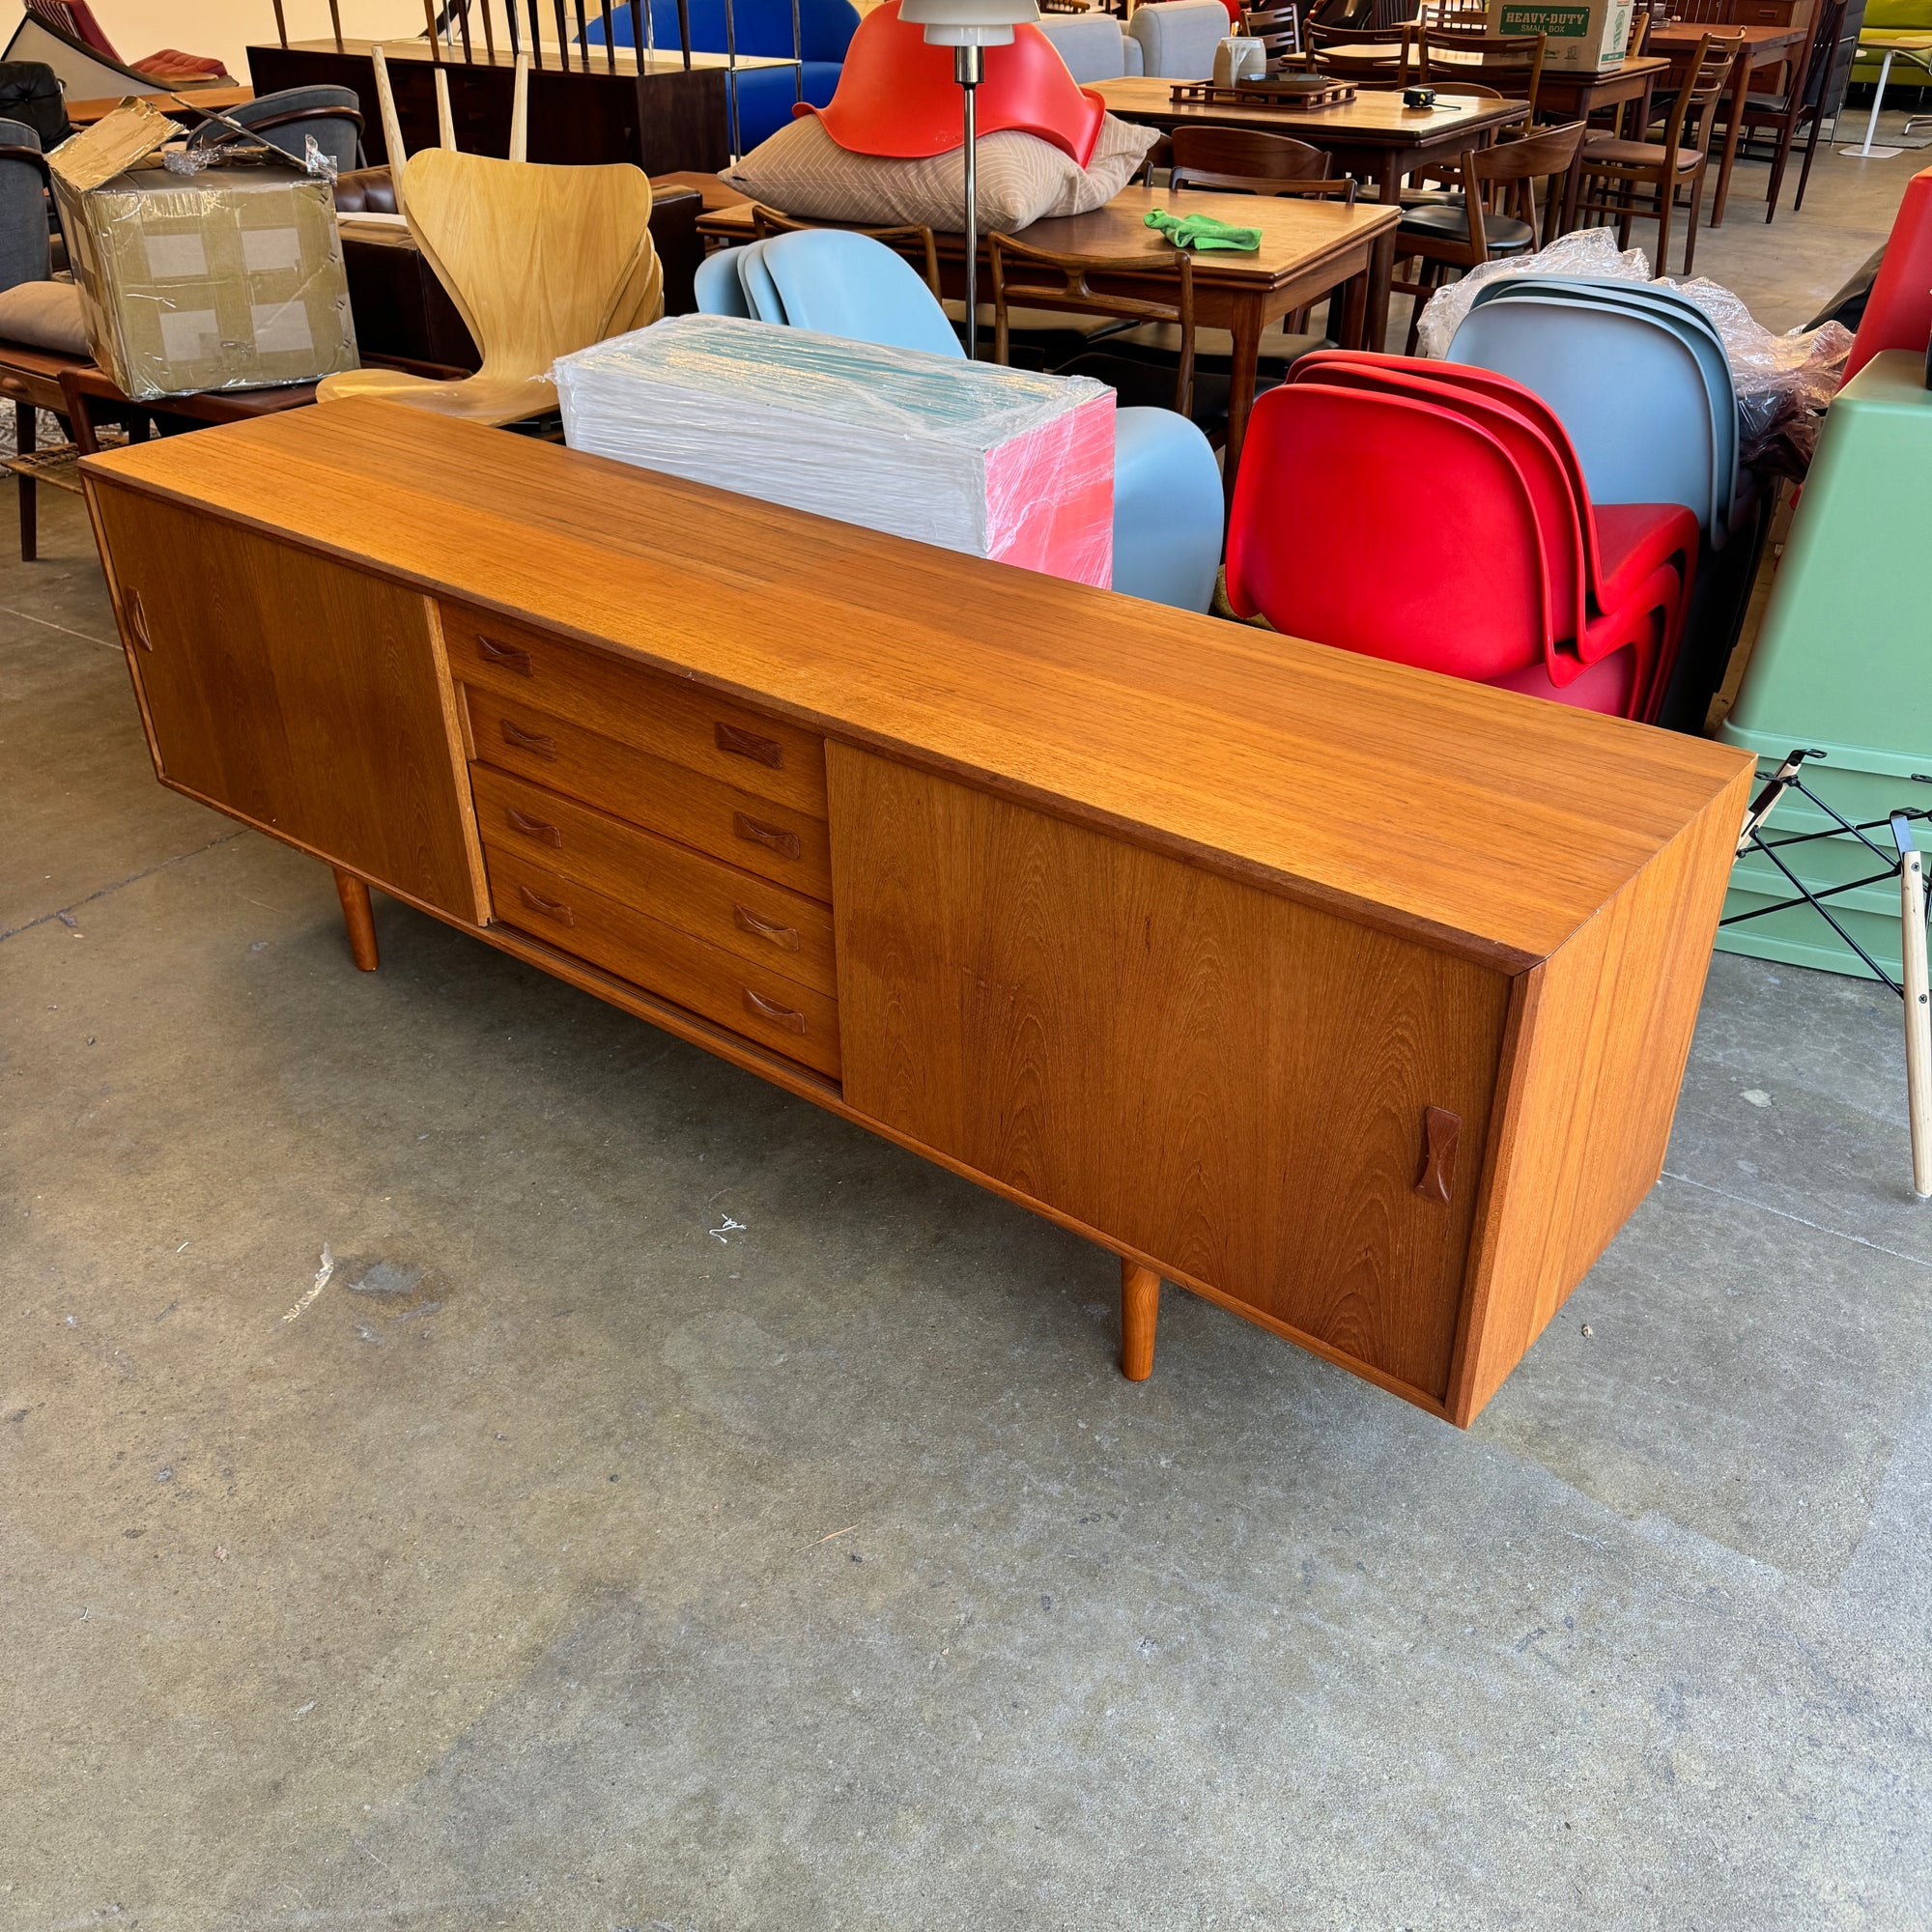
968	27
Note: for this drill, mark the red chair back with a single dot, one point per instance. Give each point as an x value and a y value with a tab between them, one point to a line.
1327	541
1899	311
1507	390
1549	487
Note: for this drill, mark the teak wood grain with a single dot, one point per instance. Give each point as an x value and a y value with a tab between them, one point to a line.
667	717
789	847
300	695
1227	1080
1474	820
781	931
1353	999
724	987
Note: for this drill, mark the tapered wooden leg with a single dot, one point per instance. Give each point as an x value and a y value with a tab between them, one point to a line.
1140	1310
359	917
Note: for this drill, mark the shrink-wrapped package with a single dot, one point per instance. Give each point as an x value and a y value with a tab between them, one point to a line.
999	463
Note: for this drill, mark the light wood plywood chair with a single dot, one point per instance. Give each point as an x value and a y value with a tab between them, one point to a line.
539	261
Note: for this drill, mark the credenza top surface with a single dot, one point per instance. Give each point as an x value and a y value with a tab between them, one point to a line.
1490	823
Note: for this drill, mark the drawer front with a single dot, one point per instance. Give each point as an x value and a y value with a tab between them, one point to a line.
758	834
732	991
785	932
665	716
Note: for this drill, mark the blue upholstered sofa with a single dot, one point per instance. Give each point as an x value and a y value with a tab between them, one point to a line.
765	94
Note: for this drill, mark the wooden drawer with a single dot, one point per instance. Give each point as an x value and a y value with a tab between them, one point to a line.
763	1006
758	834
782	931
667	717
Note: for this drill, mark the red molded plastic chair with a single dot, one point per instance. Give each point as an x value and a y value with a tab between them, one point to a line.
1324	542
1623	543
1899	311
1639	607
897	96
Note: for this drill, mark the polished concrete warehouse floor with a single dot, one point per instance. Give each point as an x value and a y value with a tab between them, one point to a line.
667	1507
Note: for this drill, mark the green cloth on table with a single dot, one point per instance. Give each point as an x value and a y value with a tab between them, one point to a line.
1203	232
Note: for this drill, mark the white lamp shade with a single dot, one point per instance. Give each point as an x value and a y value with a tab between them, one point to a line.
985	23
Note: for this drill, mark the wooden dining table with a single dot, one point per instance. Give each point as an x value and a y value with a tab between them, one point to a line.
1308	249
1561	95
1374	138
1764	46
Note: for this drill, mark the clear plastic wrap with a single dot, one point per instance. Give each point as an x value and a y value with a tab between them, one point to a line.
998	463
230	277
1782	382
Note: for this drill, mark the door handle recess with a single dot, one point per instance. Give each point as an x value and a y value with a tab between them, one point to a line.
507	655
137	622
550	908
532	828
748	745
529	740
784	843
746	921
789	1017
1442	1131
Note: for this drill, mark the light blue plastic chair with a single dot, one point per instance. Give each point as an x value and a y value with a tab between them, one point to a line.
719	291
1167	485
1630	391
1672	311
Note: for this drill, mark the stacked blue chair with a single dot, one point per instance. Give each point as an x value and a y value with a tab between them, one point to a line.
763	96
1167	485
1641	379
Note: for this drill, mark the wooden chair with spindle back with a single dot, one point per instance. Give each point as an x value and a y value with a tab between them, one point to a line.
767	221
1023	274
1494	216
1618	169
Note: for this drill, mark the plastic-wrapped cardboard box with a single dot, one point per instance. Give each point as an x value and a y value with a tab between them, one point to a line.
1582	37
996	461
227	278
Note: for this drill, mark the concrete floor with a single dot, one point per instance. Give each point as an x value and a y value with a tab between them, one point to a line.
678	1509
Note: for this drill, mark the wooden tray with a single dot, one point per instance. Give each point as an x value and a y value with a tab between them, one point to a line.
1285	90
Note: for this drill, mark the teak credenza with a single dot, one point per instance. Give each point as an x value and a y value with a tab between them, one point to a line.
1353	998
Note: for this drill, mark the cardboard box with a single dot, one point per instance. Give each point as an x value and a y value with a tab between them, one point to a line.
1585	36
227	278
994	462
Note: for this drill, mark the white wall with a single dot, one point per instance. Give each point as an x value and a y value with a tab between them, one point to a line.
225	28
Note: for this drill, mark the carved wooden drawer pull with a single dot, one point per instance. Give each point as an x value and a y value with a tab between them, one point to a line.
517	660
529	740
784	843
532	828
1440	1133
786	936
785	1016
137	622
550	908
748	745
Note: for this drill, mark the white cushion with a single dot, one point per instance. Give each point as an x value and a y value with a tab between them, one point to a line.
1021	179
1177	38
44	315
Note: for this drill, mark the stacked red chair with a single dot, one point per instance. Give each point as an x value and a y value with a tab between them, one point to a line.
1899	311
1437	515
